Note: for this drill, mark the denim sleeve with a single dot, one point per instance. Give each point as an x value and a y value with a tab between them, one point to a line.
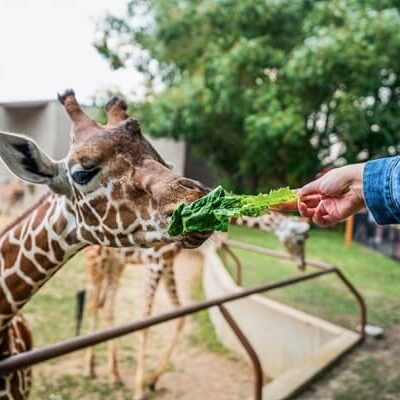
381	183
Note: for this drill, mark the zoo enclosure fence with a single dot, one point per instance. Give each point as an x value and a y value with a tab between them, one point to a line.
59	349
385	239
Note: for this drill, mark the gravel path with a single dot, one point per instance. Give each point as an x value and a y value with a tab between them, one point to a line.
195	373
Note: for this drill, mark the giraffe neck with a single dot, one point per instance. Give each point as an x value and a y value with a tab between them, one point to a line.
32	250
267	223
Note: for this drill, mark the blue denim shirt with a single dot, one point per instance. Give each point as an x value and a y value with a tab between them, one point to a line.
381	183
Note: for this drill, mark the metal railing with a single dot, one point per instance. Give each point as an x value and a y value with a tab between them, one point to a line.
320	265
35	356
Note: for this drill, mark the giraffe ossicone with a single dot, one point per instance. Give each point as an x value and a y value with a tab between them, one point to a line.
112	189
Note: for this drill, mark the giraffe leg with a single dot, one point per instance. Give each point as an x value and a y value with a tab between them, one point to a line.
151	288
94	294
109	312
170	285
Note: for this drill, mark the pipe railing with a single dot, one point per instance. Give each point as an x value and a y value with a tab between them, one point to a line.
318	264
46	353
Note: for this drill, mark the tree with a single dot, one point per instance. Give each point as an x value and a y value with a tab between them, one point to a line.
264	88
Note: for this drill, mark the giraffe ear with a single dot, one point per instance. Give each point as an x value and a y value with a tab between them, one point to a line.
23	158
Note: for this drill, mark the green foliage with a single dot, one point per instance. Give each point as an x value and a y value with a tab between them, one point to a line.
213	211
263	88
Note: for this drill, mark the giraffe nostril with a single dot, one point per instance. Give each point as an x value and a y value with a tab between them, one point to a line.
169	210
187	183
193	185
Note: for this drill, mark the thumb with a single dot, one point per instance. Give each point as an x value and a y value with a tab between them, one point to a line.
312	187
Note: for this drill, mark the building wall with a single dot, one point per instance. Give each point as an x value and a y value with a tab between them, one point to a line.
62	129
48	124
34	121
2	117
172	151
198	168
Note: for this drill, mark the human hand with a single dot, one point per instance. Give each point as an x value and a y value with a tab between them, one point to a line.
332	197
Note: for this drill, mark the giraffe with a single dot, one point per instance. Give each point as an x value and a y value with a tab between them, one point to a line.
105	267
112	189
291	231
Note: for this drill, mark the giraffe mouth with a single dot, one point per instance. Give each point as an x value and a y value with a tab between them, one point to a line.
196	239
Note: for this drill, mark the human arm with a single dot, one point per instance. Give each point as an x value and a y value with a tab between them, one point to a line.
344	191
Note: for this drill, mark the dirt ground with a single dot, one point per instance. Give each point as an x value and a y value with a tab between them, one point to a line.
195	373
370	372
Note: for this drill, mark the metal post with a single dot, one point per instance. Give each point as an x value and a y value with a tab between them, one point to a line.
255	361
360	301
237	263
323	266
348	237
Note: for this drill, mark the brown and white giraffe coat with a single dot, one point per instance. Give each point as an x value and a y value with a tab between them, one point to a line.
292	232
112	189
105	267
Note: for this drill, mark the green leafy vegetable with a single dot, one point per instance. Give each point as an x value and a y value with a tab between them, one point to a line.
213	211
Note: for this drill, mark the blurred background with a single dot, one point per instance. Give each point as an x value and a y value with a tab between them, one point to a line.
250	94
263	92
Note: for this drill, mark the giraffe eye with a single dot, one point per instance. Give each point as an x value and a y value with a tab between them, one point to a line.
82	177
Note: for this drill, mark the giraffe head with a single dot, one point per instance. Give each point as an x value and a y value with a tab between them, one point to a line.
117	187
293	232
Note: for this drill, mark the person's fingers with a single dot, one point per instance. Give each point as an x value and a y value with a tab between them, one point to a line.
305	211
312	200
319	215
322	217
319	220
285	207
309	188
324	220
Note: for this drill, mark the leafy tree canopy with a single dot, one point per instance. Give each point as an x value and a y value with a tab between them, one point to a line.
264	88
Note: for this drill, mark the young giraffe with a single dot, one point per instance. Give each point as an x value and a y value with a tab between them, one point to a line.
112	189
291	231
105	267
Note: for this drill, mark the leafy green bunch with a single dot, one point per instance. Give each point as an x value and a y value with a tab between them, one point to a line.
213	211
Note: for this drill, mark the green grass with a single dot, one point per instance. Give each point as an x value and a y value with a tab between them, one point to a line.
370	378
370	385
51	312
371	372
51	315
375	275
51	318
203	333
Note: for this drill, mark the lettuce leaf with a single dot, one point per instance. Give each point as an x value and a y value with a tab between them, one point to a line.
213	211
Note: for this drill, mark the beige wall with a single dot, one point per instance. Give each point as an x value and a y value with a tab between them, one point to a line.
48	124
37	121
62	128
2	117
172	151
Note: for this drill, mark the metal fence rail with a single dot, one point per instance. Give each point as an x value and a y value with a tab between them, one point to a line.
55	350
320	265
